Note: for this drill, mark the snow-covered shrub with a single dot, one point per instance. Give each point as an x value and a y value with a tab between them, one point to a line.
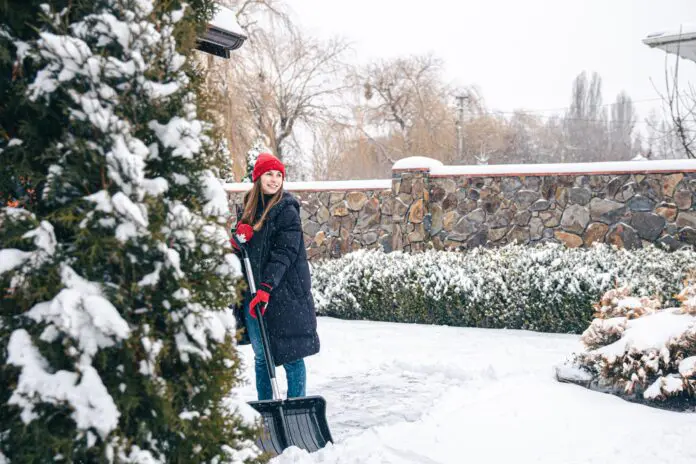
687	297
116	339
641	351
547	288
618	302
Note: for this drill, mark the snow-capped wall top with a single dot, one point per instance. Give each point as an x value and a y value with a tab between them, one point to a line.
437	169
341	185
416	162
607	167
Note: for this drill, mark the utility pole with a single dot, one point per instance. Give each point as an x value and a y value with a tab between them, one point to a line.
460	123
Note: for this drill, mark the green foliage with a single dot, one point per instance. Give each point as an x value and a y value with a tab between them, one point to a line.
123	275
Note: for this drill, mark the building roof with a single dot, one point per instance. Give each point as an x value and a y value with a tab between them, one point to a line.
680	41
224	34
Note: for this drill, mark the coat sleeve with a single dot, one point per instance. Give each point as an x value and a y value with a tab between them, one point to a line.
284	246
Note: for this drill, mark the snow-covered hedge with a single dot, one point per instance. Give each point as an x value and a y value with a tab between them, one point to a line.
639	350
548	288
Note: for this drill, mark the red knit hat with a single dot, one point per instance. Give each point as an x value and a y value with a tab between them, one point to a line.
264	163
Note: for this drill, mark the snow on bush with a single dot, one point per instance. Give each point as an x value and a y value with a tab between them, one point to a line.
640	350
548	288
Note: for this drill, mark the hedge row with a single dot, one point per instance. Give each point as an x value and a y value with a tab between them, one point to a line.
548	288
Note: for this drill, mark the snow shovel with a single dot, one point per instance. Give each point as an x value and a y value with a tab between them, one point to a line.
288	422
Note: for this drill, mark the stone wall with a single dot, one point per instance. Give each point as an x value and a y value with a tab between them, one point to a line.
626	204
627	210
338	220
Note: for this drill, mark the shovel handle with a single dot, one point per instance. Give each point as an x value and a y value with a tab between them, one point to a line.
270	365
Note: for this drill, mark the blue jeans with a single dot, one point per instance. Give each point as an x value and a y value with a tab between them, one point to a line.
295	371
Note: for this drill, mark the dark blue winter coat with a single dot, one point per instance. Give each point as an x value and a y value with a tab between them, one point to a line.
279	259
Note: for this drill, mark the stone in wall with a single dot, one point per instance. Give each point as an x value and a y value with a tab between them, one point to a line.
607	211
624	236
417	211
640	203
356	200
519	235
522	218
649	226
569	239
670	182
686	219
626	192
369	215
667	211
595	232
436	219
551	218
688	236
683	199
540	205
536	229
575	218
494	235
525	198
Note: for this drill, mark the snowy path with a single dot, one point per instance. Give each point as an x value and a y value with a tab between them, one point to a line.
400	393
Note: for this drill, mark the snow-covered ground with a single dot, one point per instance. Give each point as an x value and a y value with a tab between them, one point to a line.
402	393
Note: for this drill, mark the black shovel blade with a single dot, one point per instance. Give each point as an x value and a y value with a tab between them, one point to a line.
297	422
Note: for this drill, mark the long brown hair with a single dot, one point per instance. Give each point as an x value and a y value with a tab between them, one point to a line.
251	203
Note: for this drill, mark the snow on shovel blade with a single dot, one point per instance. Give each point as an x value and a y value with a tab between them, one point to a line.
297	422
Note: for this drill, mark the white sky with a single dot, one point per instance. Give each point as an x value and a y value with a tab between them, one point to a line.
520	54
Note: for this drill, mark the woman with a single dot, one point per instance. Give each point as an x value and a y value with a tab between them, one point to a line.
281	272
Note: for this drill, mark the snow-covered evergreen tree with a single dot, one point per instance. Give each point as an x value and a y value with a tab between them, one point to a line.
253	153
227	169
116	340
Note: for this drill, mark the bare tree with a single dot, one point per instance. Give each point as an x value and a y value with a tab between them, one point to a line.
487	137
680	101
585	122
260	14
279	83
621	127
407	107
233	116
551	139
522	139
328	143
289	79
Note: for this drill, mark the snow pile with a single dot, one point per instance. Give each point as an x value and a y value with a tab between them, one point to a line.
546	288
417	394
640	350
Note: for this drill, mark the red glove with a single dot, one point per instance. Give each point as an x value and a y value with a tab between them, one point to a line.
244	232
261	300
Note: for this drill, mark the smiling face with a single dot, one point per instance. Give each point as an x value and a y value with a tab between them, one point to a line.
271	182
